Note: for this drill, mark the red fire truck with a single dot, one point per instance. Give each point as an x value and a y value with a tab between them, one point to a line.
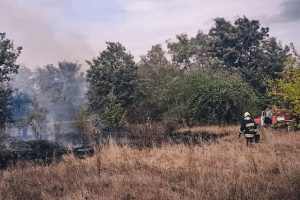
279	116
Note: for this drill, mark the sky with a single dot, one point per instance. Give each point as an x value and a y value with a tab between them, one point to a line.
76	30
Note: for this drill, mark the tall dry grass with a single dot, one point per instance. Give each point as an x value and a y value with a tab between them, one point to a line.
224	170
212	129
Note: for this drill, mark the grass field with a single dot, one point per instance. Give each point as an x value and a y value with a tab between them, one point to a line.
223	170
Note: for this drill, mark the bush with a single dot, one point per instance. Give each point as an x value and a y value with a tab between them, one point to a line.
286	91
113	115
211	97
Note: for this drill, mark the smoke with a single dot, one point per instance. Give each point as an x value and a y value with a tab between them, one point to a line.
54	96
35	28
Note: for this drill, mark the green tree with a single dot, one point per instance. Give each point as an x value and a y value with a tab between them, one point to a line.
112	73
194	52
181	51
84	127
155	75
211	97
8	57
201	51
113	115
275	56
246	46
4	102
286	90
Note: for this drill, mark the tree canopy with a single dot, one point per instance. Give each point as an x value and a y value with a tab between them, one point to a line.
211	97
286	90
8	66
205	78
8	57
112	80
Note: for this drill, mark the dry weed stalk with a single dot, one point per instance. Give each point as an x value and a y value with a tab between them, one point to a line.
224	170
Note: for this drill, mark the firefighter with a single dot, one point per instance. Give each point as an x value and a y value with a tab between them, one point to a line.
268	116
249	129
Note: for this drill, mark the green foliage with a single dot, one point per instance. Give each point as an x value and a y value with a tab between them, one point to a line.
181	51
246	46
155	74
113	73
4	102
113	115
242	46
211	78
83	126
194	52
236	44
8	57
286	90
211	97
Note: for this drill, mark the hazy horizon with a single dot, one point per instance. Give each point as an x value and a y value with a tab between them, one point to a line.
55	30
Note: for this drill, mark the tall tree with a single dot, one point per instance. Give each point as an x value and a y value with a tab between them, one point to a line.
237	43
195	52
201	52
155	75
112	74
181	51
8	57
275	55
285	92
61	89
245	46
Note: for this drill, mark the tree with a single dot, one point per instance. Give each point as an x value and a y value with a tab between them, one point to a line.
210	97
20	106
275	57
37	119
237	44
112	73
61	89
201	51
286	90
4	110
8	57
113	115
181	51
194	52
85	129
245	46
155	74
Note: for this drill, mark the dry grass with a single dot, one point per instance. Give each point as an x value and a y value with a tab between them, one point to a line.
225	170
212	129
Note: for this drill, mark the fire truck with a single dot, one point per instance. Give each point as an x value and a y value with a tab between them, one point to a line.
281	118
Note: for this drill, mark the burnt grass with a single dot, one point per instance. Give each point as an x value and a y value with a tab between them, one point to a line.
157	140
43	152
214	169
39	152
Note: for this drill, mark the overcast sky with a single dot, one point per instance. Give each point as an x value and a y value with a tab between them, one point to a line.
76	30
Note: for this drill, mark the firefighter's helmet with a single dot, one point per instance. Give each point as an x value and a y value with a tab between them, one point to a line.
246	114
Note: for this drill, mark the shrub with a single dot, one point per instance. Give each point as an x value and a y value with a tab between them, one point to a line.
211	97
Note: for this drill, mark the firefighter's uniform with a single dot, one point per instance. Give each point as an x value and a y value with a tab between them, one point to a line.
248	128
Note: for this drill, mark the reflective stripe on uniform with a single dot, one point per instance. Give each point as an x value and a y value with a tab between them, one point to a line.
250	125
249	135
